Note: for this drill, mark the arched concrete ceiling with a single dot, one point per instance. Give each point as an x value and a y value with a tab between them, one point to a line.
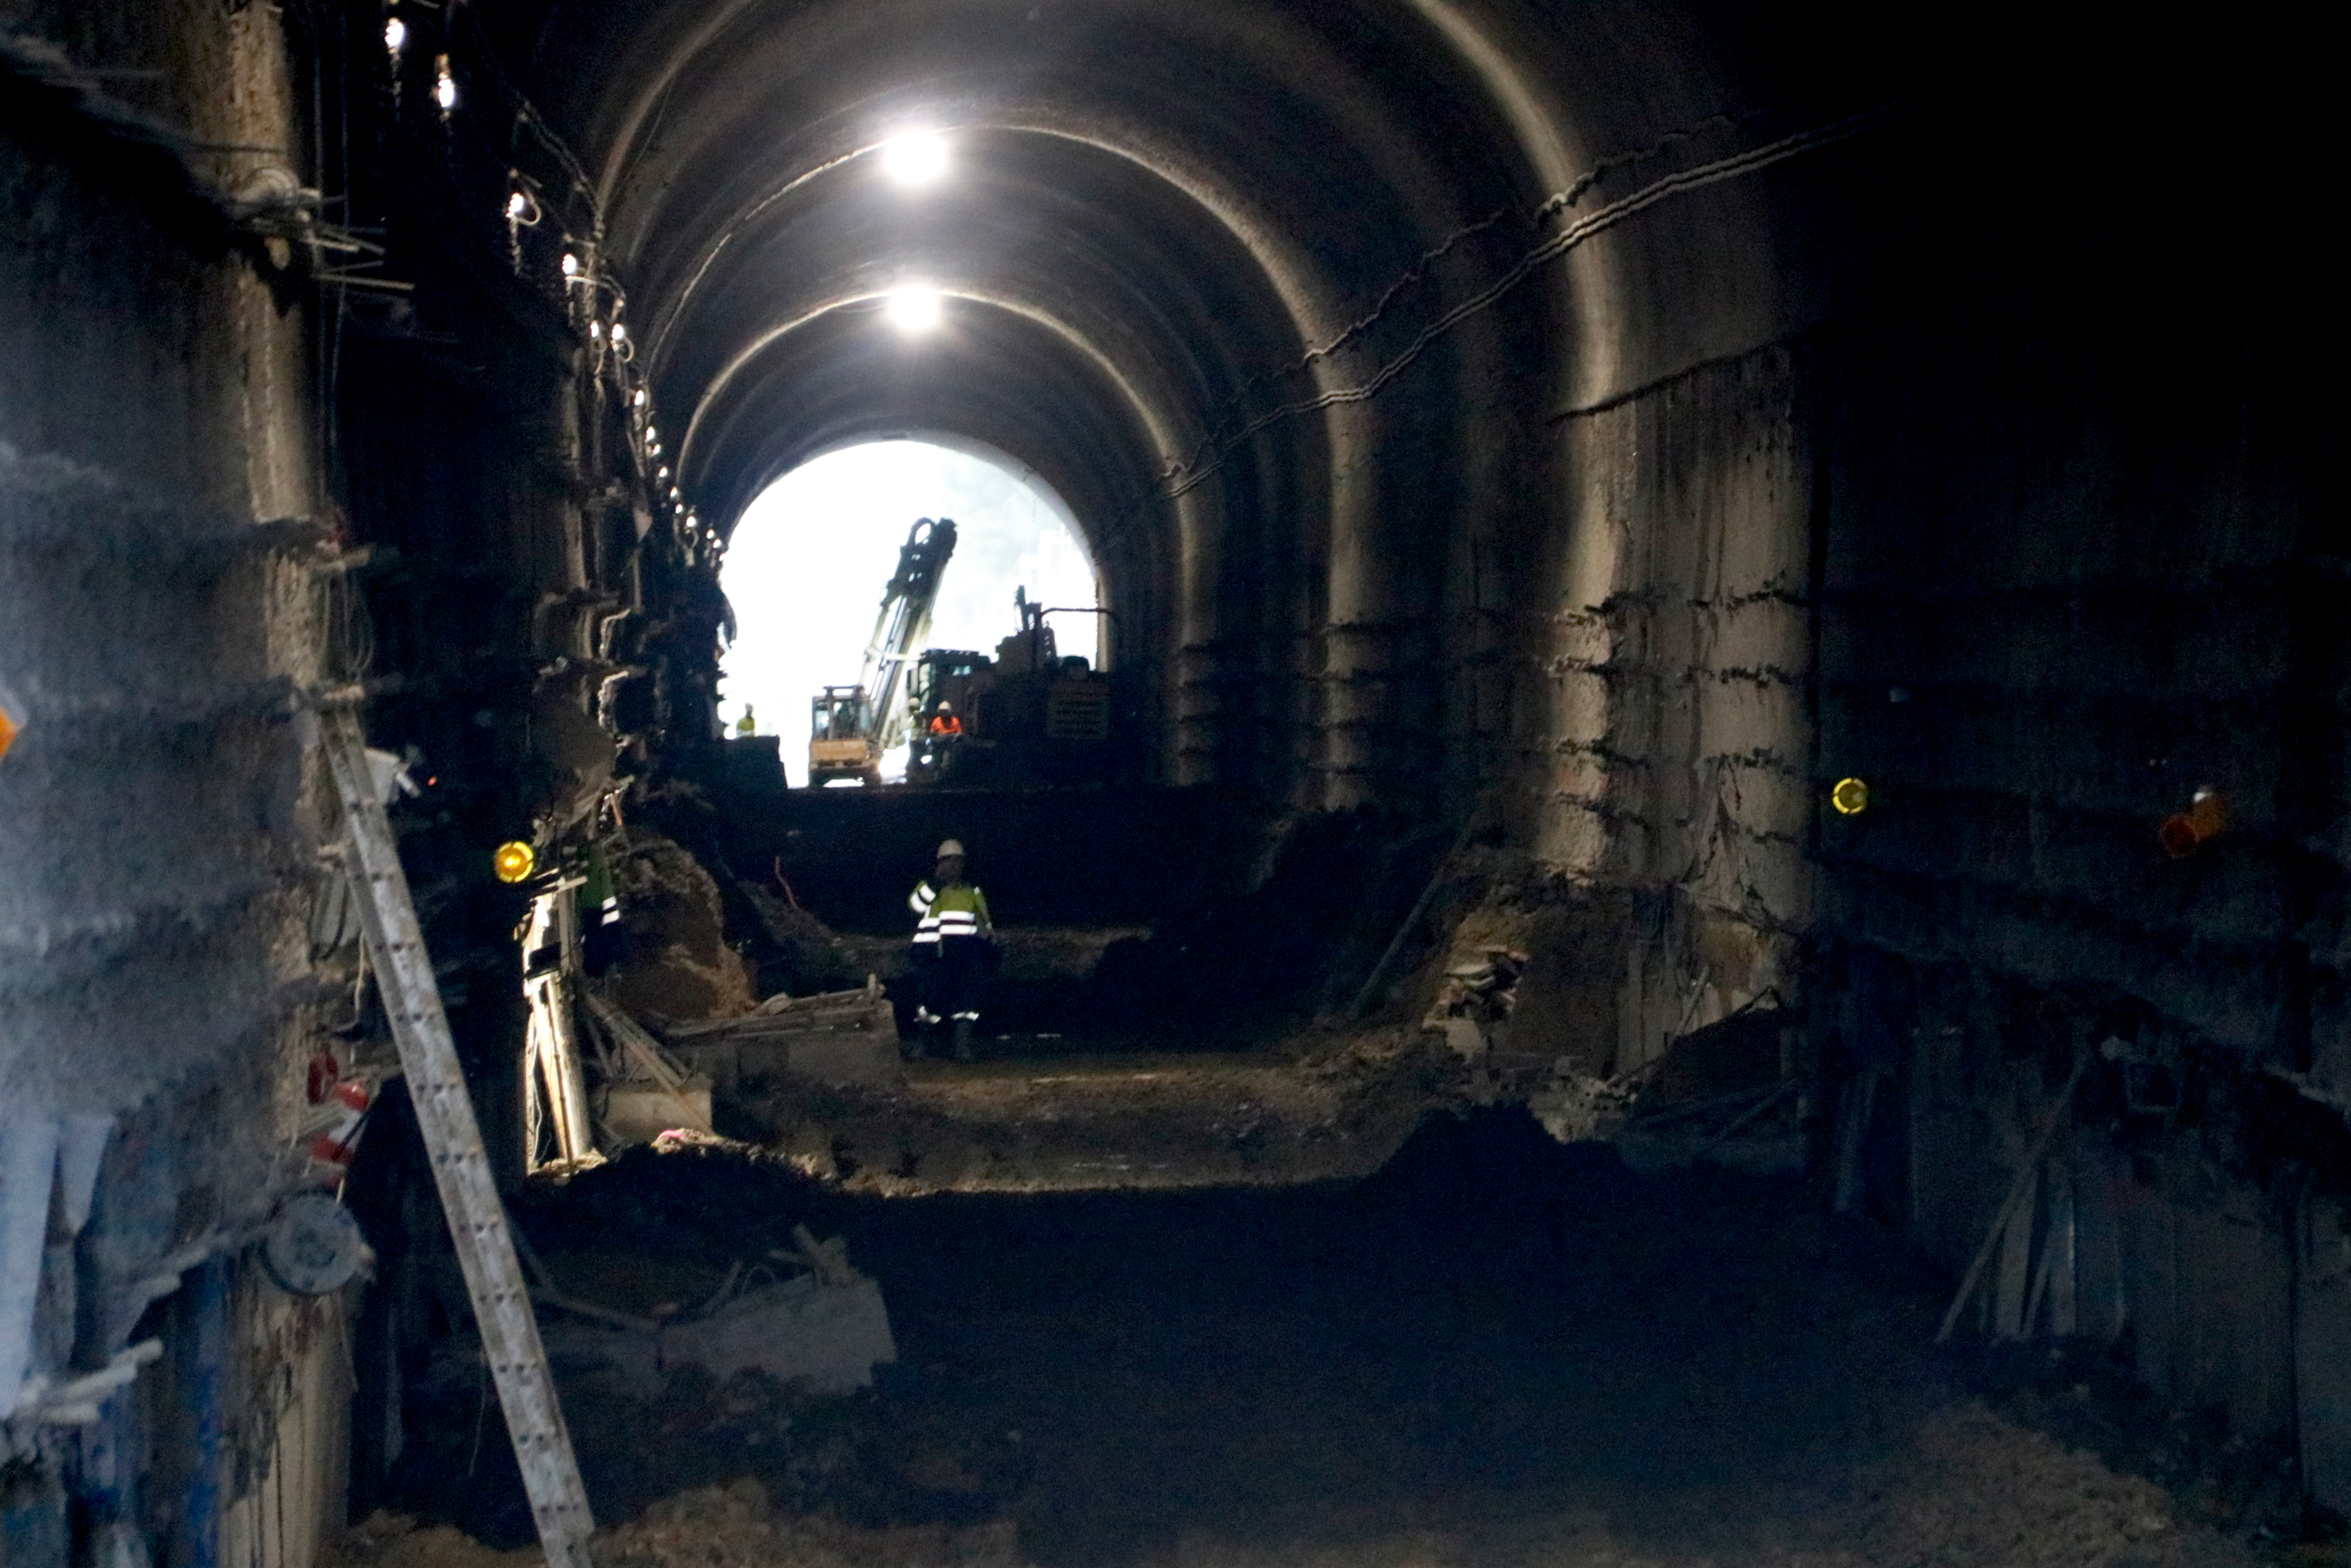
1184	246
1197	194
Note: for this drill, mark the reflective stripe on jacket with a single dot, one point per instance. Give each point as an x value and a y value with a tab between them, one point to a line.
956	910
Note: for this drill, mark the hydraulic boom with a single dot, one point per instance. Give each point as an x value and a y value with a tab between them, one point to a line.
851	727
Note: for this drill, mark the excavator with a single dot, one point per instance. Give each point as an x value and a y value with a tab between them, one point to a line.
850	726
1030	716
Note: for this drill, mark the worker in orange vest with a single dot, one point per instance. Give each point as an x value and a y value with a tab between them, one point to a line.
945	723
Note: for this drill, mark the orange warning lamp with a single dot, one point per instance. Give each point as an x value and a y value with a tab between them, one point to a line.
7	731
1851	796
2209	810
514	860
2182	833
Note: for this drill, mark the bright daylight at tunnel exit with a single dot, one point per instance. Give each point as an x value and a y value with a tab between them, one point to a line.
832	530
1094	784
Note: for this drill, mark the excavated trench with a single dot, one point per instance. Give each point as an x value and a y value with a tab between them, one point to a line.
1161	919
1227	1288
1496	1350
1171	1003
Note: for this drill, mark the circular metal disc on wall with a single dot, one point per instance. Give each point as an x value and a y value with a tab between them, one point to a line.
313	1245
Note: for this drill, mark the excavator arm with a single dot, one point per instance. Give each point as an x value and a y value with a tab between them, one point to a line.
851	734
905	623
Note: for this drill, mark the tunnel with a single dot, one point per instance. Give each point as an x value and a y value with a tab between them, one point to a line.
1693	913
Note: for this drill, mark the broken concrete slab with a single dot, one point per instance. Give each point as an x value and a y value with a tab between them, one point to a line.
840	1039
826	1328
829	1335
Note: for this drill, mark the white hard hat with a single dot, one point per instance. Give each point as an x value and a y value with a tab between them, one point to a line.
952	848
946	708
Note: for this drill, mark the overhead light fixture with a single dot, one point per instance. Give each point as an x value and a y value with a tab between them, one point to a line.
913	309
916	158
395	36
445	86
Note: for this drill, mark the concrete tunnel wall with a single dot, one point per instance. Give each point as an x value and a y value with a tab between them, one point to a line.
1635	558
160	501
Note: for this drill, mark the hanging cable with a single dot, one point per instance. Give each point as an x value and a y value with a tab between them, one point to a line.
1208	456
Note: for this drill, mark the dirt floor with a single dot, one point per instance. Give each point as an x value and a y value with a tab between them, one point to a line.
1322	1107
1494	1351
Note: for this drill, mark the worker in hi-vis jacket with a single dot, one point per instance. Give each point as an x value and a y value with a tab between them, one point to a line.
952	937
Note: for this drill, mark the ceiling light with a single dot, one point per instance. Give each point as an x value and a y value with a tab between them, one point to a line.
912	310
917	158
445	89
396	34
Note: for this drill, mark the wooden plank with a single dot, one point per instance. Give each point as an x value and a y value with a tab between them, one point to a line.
2015	1259
2060	1113
2062	1249
638	1046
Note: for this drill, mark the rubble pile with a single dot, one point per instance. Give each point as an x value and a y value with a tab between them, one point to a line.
1476	996
733	1526
807	954
1575	1107
677	963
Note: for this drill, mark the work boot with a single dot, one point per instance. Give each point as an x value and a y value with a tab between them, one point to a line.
963	1039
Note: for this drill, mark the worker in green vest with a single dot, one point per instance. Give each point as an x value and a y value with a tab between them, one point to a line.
953	935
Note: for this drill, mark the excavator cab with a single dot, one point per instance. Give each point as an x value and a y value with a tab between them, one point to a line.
841	742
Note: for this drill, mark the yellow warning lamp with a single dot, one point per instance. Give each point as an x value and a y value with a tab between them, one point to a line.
1851	796
7	732
514	861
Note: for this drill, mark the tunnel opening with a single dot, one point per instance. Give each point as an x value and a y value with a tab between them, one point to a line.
807	560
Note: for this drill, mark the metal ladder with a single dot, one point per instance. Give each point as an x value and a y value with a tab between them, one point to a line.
444	1113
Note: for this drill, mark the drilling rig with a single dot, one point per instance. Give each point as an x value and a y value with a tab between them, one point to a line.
850	726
